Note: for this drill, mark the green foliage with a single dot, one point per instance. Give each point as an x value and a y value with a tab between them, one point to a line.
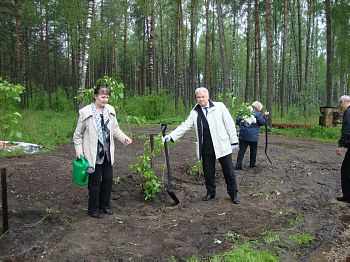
196	169
319	133
269	237
40	100
150	184
117	91
303	238
48	128
60	102
243	253
296	221
236	106
117	180
9	118
151	106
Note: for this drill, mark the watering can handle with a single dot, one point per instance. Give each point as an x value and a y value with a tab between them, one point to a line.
163	127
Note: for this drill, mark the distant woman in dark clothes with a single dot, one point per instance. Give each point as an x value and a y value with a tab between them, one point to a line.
344	144
249	134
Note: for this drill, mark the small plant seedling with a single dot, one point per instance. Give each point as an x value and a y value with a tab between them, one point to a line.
304	238
117	180
296	221
196	169
269	237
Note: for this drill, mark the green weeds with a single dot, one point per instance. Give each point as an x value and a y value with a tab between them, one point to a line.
303	238
196	169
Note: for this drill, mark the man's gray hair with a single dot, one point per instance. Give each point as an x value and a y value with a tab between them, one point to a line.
344	98
201	90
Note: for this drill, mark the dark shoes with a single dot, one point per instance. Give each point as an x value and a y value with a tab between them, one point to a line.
208	197
253	166
239	168
95	214
99	214
344	199
235	200
107	211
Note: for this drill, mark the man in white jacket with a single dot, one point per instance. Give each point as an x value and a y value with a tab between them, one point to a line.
216	138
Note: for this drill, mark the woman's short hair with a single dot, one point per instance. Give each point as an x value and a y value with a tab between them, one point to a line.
201	90
102	89
257	105
344	98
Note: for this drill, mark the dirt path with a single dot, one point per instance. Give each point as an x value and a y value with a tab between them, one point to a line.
48	217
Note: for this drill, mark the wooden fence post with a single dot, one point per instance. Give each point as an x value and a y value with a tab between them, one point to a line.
5	215
151	142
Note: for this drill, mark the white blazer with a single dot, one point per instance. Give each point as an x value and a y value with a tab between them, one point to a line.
221	125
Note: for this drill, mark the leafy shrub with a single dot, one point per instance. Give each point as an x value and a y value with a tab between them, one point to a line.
9	118
60	102
151	106
151	185
40	100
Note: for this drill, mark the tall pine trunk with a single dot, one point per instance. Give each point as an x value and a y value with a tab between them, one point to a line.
329	53
283	59
84	58
269	68
247	65
224	64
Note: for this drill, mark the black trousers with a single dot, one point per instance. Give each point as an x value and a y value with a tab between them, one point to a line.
208	163
243	145
345	174
100	187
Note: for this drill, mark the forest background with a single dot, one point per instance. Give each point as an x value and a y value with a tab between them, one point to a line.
293	56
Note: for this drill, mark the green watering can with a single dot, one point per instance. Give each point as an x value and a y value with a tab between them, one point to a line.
81	171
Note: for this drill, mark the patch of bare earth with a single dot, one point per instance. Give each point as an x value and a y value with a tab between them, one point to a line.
49	221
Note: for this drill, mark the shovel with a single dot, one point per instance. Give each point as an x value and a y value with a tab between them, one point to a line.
169	187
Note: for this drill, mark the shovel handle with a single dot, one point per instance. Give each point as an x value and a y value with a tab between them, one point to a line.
163	128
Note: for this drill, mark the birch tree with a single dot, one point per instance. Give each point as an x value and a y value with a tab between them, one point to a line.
84	57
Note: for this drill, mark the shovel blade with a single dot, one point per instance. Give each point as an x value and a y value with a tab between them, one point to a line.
173	196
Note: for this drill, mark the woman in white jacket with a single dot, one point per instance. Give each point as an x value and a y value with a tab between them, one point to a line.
94	139
216	138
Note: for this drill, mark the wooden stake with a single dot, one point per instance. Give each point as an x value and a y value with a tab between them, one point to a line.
5	215
151	142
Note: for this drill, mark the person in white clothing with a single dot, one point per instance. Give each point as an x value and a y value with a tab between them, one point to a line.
216	138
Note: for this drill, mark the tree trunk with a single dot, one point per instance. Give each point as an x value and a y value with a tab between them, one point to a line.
162	72
183	45
192	46
208	59
300	64
269	69
151	50
283	58
176	40
226	83
329	52
84	58
125	30
234	71
307	43
256	51
47	59
247	92
17	66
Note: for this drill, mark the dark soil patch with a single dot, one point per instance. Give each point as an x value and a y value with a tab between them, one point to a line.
48	217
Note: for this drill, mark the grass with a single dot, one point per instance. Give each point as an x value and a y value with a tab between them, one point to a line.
303	238
244	253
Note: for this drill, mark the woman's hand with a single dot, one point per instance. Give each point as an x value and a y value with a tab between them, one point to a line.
78	155
338	151
127	141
